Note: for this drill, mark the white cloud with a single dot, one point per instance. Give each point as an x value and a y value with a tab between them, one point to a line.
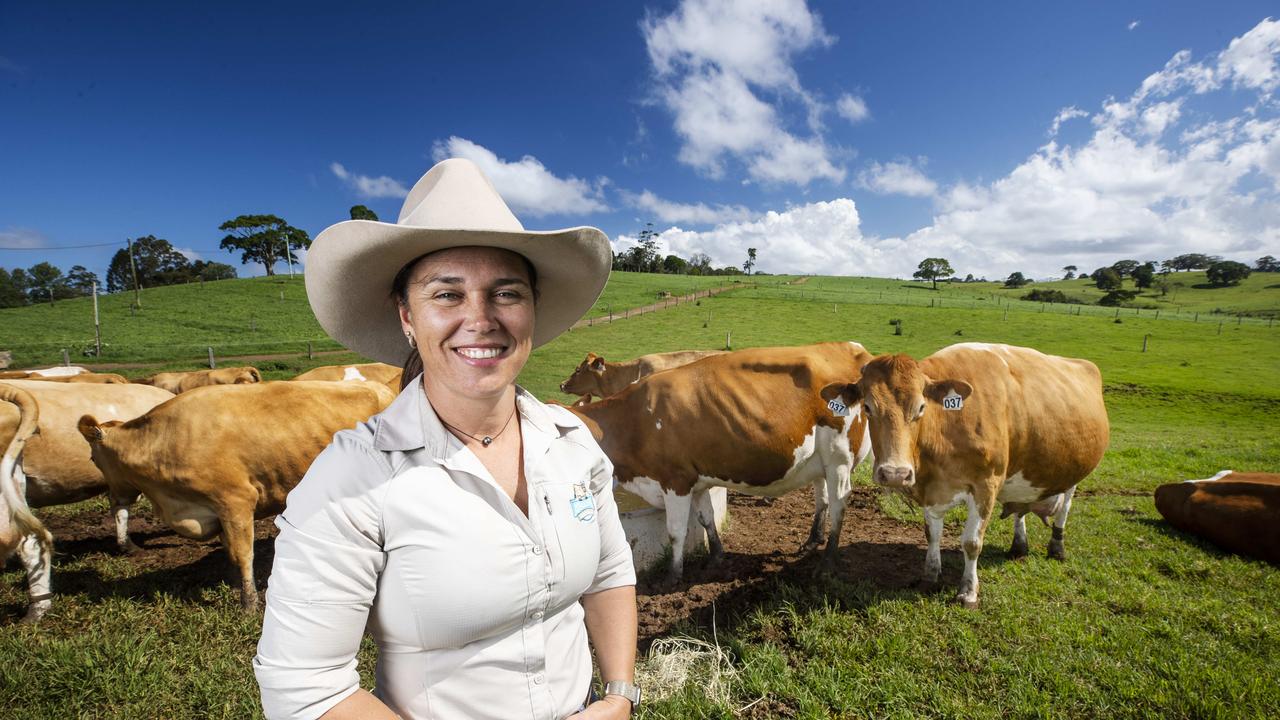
852	108
1134	24
713	60
369	187
1065	115
900	177
189	254
1149	183
528	187
668	211
22	238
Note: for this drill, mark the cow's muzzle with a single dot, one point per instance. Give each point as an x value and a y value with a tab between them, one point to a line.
895	476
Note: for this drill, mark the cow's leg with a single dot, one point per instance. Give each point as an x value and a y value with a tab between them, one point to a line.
36	554
1019	548
819	516
237	536
1057	550
121	501
707	518
933	536
677	529
975	527
838	490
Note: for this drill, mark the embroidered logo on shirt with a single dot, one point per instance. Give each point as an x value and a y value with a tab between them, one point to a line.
582	505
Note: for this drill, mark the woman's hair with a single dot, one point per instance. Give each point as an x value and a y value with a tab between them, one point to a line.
412	367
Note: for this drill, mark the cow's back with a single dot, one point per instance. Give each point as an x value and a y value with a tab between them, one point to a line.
736	416
56	460
1044	413
1239	512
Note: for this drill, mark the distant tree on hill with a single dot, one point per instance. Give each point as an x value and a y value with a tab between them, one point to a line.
1083	276
932	269
1267	263
261	239
80	281
751	261
13	288
209	270
1015	280
1191	261
969	278
46	283
1117	297
1144	275
675	265
1070	271
1107	279
1227	272
700	264
360	212
1125	268
157	261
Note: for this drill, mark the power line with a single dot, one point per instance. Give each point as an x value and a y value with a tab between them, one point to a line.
61	247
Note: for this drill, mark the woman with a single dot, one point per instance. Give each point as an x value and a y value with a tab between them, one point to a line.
471	527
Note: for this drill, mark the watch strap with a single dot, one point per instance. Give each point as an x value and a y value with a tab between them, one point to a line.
625	689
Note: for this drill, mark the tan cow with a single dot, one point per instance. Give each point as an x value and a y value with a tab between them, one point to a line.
977	424
82	378
751	420
214	459
58	371
1238	512
388	375
19	529
180	382
56	463
594	376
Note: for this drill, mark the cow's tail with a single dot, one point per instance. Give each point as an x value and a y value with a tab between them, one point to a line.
28	414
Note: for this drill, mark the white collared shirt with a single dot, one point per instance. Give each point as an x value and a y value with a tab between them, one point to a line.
474	606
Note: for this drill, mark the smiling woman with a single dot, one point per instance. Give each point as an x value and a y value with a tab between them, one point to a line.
471	528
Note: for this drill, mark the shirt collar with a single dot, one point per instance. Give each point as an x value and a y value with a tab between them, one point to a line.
409	422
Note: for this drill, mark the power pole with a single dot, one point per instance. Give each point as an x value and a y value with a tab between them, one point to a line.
133	267
97	328
287	255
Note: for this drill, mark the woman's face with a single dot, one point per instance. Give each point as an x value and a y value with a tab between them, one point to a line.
471	311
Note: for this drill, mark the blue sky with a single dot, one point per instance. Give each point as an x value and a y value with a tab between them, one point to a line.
835	137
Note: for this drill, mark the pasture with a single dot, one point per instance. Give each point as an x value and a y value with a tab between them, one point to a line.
1140	621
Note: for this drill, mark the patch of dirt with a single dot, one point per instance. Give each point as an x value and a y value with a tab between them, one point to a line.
762	554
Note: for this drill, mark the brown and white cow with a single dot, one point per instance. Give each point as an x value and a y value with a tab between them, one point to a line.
180	382
388	375
56	462
752	421
977	424
1238	512
594	376
19	529
214	459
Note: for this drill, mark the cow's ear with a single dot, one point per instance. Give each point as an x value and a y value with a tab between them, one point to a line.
936	391
88	427
847	392
597	363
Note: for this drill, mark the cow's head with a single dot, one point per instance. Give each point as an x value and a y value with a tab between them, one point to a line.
896	396
247	376
585	379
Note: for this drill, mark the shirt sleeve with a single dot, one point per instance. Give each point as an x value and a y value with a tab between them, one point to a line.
328	557
616	567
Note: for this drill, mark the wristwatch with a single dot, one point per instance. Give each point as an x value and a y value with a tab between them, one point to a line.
626	690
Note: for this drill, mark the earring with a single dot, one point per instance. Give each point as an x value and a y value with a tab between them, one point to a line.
412	343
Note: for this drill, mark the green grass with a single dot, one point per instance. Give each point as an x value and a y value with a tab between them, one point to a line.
1141	621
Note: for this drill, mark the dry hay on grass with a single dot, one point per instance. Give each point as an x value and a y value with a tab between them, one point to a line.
673	662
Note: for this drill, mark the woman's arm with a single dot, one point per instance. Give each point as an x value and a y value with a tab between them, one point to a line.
611	626
360	706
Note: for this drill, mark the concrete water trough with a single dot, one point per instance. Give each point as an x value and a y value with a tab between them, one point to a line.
646	526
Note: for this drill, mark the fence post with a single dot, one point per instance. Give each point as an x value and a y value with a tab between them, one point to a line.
311	355
1197	318
1117	313
1144	341
1219	327
1157	313
728	340
1006	312
212	364
66	359
1239	319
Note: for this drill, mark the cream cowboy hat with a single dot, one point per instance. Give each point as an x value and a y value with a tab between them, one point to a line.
351	265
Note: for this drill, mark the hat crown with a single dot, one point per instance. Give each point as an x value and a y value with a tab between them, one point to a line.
456	195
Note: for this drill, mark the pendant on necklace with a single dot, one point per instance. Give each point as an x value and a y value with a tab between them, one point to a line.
486	440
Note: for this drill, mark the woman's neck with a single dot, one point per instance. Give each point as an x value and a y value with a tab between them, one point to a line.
476	416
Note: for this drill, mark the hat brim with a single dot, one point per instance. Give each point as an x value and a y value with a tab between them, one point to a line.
351	265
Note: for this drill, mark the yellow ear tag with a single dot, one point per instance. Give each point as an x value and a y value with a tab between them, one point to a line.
952	401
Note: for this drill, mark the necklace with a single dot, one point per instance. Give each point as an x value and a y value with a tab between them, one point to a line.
487	439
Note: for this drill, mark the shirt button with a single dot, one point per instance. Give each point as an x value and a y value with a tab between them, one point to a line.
537	679
537	549
537	614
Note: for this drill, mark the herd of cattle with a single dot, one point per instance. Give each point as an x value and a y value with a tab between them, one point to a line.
973	425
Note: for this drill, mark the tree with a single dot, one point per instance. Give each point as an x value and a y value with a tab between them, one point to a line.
1015	280
700	264
1227	272
1144	275
158	263
1070	271
675	265
360	212
209	270
751	260
80	281
261	238
45	284
1125	268
1267	263
932	269
1107	279
1191	261
13	292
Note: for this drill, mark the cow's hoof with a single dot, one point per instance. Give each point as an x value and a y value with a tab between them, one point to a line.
715	559
1057	551
967	602
1017	551
927	586
809	546
129	548
34	613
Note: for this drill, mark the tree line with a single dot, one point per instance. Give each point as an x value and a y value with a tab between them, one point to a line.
644	257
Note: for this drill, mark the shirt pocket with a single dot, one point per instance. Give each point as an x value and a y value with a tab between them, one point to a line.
575	525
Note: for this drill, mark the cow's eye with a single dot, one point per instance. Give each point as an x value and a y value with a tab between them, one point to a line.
866	408
920	411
